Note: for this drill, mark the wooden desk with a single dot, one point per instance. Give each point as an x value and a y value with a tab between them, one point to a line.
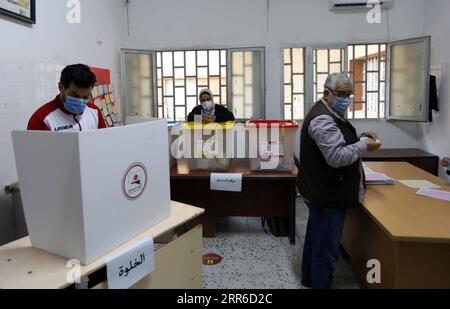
264	194
25	267
407	233
424	160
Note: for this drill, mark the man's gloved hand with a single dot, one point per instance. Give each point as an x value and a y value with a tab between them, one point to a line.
372	144
371	135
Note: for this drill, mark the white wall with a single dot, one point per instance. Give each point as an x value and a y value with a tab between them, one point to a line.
232	23
436	136
31	59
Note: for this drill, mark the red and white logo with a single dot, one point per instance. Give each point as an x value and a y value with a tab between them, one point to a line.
134	181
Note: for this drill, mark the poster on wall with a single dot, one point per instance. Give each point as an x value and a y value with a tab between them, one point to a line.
23	10
104	98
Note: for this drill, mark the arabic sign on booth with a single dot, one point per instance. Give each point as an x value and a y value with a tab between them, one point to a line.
130	266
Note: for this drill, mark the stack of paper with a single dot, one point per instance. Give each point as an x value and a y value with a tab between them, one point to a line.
378	179
367	169
437	194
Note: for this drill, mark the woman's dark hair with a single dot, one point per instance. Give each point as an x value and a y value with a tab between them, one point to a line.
80	74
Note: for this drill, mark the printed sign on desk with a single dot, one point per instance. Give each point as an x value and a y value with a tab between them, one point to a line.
132	265
226	182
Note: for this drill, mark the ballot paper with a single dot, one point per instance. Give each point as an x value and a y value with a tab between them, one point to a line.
377	141
419	184
378	179
226	182
436	194
367	169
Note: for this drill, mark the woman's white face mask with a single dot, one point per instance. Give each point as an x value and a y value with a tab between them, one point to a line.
208	105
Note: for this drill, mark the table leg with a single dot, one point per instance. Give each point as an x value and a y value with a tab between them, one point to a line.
210	227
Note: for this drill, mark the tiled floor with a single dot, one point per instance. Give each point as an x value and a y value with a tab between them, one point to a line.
253	258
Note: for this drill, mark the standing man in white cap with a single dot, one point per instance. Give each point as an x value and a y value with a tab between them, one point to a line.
209	111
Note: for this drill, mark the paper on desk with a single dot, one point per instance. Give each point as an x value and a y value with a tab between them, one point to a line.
226	182
437	194
378	179
419	184
367	169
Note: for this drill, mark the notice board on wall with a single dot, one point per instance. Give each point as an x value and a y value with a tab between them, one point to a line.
104	98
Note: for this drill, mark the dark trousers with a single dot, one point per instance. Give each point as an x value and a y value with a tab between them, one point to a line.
322	244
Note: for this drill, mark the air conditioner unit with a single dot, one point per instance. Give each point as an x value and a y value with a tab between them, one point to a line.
357	4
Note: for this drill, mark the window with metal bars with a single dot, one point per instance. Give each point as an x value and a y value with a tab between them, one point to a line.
294	83
181	75
367	69
235	76
326	61
365	64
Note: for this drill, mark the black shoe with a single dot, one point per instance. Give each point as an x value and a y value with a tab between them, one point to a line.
306	285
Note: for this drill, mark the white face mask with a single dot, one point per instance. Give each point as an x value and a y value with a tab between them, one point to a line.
208	105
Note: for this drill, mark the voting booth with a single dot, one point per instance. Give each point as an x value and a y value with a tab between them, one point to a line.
170	126
85	193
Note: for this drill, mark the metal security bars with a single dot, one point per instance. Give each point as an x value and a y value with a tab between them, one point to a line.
294	83
235	76
247	82
367	69
138	81
306	69
409	79
182	74
326	61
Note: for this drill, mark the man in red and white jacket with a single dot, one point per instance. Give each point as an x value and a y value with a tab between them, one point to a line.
72	109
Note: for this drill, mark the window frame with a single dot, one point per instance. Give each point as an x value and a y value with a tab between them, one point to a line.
308	56
306	75
123	51
426	87
380	116
230	81
154	86
173	51
309	73
311	61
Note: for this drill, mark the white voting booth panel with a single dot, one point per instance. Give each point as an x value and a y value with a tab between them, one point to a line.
138	119
86	193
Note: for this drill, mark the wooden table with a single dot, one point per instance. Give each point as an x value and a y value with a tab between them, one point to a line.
264	194
407	233
25	267
422	159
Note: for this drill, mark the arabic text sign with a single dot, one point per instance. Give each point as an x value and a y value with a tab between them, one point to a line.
226	182
130	266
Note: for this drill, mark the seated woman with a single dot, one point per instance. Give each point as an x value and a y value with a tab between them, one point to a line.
209	111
